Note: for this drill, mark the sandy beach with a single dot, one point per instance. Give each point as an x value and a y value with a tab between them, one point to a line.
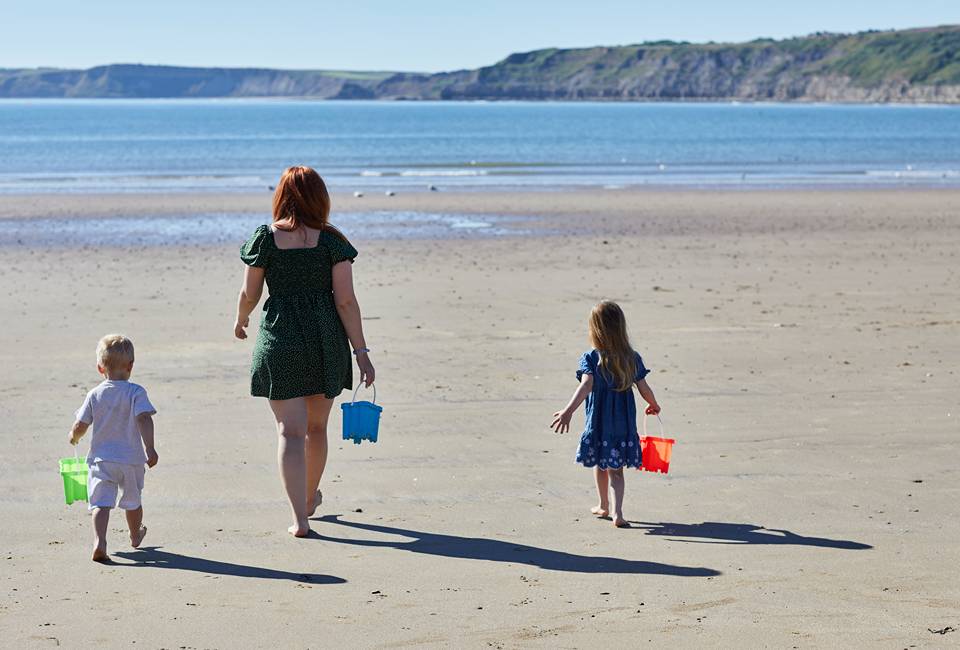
804	345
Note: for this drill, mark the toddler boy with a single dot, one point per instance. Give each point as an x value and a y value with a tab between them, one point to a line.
121	442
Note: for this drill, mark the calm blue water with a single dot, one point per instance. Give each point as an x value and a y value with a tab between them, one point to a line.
183	145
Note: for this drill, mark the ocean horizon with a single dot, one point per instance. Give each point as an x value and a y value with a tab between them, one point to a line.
242	145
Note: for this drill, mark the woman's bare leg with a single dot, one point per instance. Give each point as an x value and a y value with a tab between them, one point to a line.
318	413
616	482
603	491
291	416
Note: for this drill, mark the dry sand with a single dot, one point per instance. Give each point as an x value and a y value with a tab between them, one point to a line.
805	350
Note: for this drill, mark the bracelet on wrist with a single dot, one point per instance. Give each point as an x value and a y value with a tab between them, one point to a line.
359	351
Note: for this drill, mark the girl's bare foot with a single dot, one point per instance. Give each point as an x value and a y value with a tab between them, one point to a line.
100	554
600	511
312	506
620	522
298	530
137	538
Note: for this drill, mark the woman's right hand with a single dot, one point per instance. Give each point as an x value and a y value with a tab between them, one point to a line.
367	373
239	327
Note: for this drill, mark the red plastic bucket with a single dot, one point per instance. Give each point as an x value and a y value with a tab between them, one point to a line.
656	451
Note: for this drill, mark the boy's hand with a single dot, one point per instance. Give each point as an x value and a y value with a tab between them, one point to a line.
561	421
653	409
77	431
152	457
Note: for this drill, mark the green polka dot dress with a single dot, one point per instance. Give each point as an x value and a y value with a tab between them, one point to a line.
301	348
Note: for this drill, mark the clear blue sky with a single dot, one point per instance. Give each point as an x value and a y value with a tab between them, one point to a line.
427	35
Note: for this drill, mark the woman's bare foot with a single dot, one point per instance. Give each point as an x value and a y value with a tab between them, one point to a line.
600	511
298	530
312	505
100	554
620	522
137	538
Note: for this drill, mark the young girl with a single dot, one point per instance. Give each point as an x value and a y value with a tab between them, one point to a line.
607	375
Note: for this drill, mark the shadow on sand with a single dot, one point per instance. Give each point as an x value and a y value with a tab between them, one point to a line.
494	550
714	532
152	556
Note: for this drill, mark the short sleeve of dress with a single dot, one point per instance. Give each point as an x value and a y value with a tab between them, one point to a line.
340	249
255	251
586	366
641	370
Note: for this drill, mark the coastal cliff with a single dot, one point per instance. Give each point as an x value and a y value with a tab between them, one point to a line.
917	65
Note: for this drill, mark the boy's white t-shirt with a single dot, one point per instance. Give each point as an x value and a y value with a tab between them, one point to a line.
112	408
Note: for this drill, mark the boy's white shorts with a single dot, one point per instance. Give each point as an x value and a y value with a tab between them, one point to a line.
106	476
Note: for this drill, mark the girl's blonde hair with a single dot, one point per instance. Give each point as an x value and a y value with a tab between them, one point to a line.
608	334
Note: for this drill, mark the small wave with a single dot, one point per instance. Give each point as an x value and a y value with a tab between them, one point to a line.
367	172
444	172
468	224
913	173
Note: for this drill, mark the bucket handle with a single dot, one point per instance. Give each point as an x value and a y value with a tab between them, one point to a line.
355	390
645	416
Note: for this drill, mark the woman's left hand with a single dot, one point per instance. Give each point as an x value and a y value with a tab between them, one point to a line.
239	327
367	373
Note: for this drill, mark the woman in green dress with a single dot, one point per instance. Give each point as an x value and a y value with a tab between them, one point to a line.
301	360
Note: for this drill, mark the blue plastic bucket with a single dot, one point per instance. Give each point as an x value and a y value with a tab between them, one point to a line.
361	420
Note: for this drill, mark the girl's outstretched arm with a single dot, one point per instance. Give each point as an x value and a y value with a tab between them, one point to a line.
349	310
561	419
250	294
647	394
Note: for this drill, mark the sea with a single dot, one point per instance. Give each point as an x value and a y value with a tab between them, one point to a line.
91	146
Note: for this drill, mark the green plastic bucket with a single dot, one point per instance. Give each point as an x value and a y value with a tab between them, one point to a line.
74	472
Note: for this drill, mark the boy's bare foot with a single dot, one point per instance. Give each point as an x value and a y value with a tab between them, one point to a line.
299	531
620	522
312	506
137	538
600	511
100	554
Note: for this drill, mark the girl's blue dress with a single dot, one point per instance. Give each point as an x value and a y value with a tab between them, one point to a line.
610	440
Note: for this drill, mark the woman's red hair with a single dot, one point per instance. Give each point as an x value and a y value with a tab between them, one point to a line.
302	199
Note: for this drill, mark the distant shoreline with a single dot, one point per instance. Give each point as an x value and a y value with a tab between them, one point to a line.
719	101
583	202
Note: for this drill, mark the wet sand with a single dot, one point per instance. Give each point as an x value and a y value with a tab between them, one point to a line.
804	347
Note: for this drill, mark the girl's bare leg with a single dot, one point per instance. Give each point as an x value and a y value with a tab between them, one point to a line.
603	491
101	518
318	413
291	416
616	482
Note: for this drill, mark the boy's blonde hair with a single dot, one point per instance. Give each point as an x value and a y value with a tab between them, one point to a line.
608	334
114	351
